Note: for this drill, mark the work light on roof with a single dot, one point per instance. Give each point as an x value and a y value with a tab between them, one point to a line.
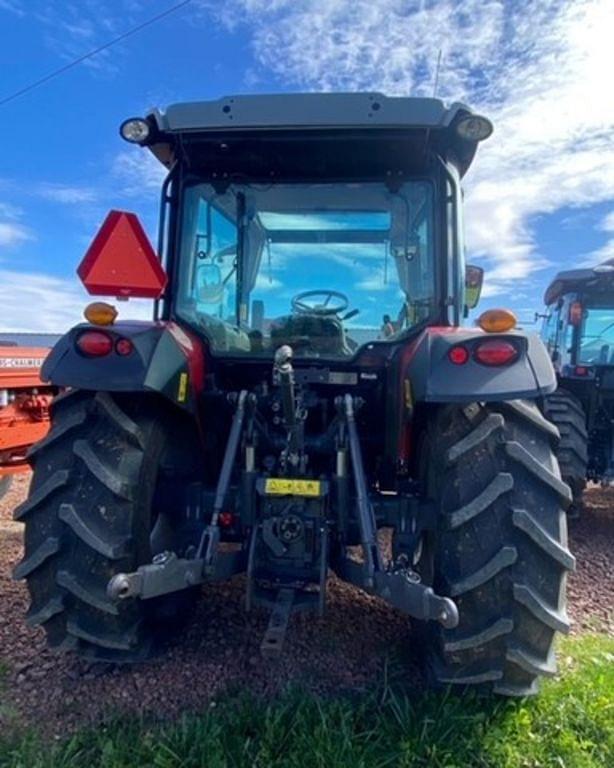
135	130
474	128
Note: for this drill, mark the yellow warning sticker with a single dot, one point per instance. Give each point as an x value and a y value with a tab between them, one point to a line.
182	392
283	486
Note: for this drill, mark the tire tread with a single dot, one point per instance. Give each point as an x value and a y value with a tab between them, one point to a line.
501	550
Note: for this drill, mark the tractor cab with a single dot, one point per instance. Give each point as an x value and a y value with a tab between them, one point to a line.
307	220
578	330
578	327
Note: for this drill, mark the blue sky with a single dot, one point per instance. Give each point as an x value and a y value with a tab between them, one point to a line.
540	196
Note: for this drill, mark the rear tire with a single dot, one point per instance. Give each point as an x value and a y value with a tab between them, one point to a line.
89	516
500	551
566	412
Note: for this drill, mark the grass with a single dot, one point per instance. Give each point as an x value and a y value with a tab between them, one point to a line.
570	725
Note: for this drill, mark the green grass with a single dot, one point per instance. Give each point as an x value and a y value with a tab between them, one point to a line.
570	725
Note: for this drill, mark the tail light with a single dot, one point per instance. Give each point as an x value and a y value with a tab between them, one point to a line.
124	347
227	519
458	354
495	352
94	343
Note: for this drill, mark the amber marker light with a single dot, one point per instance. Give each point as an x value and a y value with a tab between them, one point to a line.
497	320
100	313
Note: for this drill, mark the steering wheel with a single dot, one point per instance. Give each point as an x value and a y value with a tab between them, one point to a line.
301	306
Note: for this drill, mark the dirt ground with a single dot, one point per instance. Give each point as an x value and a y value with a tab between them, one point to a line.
219	650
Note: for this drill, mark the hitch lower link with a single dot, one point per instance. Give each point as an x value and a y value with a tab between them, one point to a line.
399	586
169	573
166	573
404	591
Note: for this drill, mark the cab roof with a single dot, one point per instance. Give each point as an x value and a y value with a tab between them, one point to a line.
428	120
596	278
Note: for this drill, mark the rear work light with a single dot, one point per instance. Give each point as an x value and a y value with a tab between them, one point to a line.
135	130
495	352
94	343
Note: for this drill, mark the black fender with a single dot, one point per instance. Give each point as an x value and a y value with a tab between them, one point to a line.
165	359
431	377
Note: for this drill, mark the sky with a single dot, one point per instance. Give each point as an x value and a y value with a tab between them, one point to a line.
539	197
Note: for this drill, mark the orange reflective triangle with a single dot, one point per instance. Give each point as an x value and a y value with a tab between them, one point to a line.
121	261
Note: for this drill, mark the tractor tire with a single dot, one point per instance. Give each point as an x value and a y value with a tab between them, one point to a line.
566	412
90	515
500	549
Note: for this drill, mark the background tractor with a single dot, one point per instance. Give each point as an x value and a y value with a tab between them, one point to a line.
24	406
578	330
304	383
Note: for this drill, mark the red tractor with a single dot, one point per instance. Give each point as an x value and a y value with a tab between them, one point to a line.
24	407
305	382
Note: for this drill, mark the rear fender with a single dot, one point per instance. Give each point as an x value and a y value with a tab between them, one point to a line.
166	359
433	378
427	375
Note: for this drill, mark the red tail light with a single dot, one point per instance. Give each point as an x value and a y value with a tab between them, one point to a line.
495	352
458	355
226	519
124	347
94	343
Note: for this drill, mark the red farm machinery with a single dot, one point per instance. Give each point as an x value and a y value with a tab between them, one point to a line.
24	406
305	381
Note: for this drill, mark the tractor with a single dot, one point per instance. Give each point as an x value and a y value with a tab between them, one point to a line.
24	407
578	331
305	383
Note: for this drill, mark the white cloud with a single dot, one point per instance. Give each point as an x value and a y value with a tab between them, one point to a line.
13	6
541	69
12	234
138	173
37	302
604	252
71	30
361	45
70	195
608	222
10	211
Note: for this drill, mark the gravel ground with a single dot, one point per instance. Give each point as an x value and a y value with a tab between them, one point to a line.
218	651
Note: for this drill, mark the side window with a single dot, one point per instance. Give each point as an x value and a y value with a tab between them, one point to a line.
215	264
550	328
